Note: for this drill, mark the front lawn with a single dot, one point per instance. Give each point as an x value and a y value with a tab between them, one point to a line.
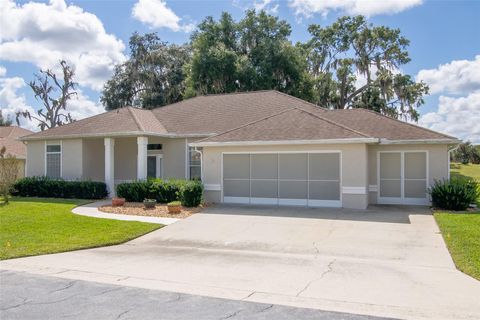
34	226
461	232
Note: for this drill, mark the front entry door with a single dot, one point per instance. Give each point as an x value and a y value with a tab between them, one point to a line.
403	177
154	166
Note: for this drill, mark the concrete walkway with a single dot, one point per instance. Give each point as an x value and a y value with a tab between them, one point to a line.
91	210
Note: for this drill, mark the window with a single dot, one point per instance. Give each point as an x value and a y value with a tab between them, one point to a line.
53	165
154	146
195	164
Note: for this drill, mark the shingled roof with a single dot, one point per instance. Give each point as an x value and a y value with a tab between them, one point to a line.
9	139
249	116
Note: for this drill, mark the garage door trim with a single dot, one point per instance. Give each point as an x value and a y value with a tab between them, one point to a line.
403	199
278	200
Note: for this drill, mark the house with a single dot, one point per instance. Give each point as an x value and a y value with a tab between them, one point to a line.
9	136
262	147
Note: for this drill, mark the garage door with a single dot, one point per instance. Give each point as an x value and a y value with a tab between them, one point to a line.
306	179
403	177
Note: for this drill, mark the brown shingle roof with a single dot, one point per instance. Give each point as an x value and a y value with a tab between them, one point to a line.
292	124
8	139
219	113
114	122
211	115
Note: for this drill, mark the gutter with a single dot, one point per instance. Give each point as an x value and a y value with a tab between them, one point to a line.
115	134
421	141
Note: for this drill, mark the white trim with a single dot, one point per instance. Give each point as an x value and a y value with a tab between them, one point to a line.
158	167
284	142
354	190
283	201
61	155
109	156
402	199
420	141
187	160
142	153
213	187
373	188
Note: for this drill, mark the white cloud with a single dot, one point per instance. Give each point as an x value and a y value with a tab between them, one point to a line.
365	7
456	116
156	14
12	101
3	71
458	76
43	34
267	5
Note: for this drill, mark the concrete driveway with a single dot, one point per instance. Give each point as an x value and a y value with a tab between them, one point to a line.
386	261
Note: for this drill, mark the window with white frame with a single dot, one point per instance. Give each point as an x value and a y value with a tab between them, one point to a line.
195	164
53	165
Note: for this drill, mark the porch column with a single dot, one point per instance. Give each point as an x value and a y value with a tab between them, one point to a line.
142	158
110	165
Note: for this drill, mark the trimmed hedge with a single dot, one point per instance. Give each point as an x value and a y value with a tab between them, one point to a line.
164	191
59	188
454	194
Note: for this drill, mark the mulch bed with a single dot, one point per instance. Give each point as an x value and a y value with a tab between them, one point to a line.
160	210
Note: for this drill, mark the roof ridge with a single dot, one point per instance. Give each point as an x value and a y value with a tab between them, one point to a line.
335	123
247	124
404	122
236	92
297	98
134	116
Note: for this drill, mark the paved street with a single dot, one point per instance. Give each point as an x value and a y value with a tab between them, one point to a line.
24	296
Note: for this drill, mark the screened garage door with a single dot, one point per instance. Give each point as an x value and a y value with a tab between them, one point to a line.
306	179
403	177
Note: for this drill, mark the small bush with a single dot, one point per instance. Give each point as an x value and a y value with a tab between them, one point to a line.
454	194
191	193
59	188
134	191
164	191
174	203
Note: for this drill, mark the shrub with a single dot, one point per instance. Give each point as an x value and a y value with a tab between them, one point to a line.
191	193
174	203
164	191
59	188
454	194
134	191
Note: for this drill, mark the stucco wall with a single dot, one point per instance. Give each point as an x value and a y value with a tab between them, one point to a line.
174	158
35	158
72	159
125	159
437	163
354	169
93	159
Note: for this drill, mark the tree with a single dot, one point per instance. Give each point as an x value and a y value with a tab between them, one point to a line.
466	153
55	113
8	173
252	54
152	77
351	51
5	122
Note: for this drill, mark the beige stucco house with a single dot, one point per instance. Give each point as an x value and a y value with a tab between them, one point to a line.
261	147
9	138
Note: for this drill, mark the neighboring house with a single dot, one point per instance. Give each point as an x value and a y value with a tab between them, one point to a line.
261	147
9	138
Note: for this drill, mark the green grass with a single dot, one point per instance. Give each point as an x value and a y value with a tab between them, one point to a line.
461	232
34	226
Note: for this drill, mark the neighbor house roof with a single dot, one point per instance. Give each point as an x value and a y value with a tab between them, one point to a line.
249	116
9	139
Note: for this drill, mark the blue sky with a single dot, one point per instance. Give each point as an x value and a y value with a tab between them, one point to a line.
93	35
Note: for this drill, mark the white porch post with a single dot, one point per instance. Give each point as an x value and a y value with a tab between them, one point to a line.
110	165
142	158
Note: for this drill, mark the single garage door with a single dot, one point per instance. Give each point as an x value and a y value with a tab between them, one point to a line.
403	177
306	179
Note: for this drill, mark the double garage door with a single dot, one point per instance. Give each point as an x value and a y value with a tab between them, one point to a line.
306	179
403	177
